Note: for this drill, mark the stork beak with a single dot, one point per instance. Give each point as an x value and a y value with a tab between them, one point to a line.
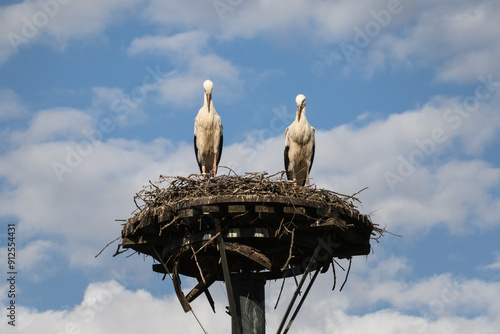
299	112
209	98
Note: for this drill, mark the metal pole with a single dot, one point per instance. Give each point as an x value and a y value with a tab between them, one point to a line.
248	291
227	279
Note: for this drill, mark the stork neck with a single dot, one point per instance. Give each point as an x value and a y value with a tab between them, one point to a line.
301	115
207	102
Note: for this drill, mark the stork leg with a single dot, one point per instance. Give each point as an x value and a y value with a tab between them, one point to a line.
307	175
215	164
294	176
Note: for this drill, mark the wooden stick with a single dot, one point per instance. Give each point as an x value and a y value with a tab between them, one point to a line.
334	276
347	275
279	296
207	243
297	291
290	256
301	301
198	265
107	247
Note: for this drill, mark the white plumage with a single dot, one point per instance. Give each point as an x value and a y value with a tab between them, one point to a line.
208	133
299	146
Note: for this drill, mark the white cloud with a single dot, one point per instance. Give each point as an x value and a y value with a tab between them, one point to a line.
292	21
55	22
194	63
181	14
105	96
38	260
114	106
11	106
59	136
12	19
52	125
283	20
82	19
455	194
34	252
338	20
96	179
179	87
495	265
277	19
186	42
456	39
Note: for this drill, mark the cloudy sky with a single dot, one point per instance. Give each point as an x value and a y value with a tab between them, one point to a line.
99	97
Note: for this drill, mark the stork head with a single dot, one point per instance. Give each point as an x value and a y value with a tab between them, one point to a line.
301	104
207	87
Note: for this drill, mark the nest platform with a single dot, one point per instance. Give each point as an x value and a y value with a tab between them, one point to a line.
268	226
243	230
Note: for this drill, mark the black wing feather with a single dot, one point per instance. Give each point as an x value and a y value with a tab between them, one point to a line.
220	148
196	153
289	175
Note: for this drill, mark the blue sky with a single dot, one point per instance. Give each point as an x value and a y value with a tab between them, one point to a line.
99	97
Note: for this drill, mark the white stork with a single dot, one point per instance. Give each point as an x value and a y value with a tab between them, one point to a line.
299	146
208	134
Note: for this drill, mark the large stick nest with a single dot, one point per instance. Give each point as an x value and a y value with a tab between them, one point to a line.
175	190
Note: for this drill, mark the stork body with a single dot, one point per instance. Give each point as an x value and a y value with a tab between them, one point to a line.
208	134
299	146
